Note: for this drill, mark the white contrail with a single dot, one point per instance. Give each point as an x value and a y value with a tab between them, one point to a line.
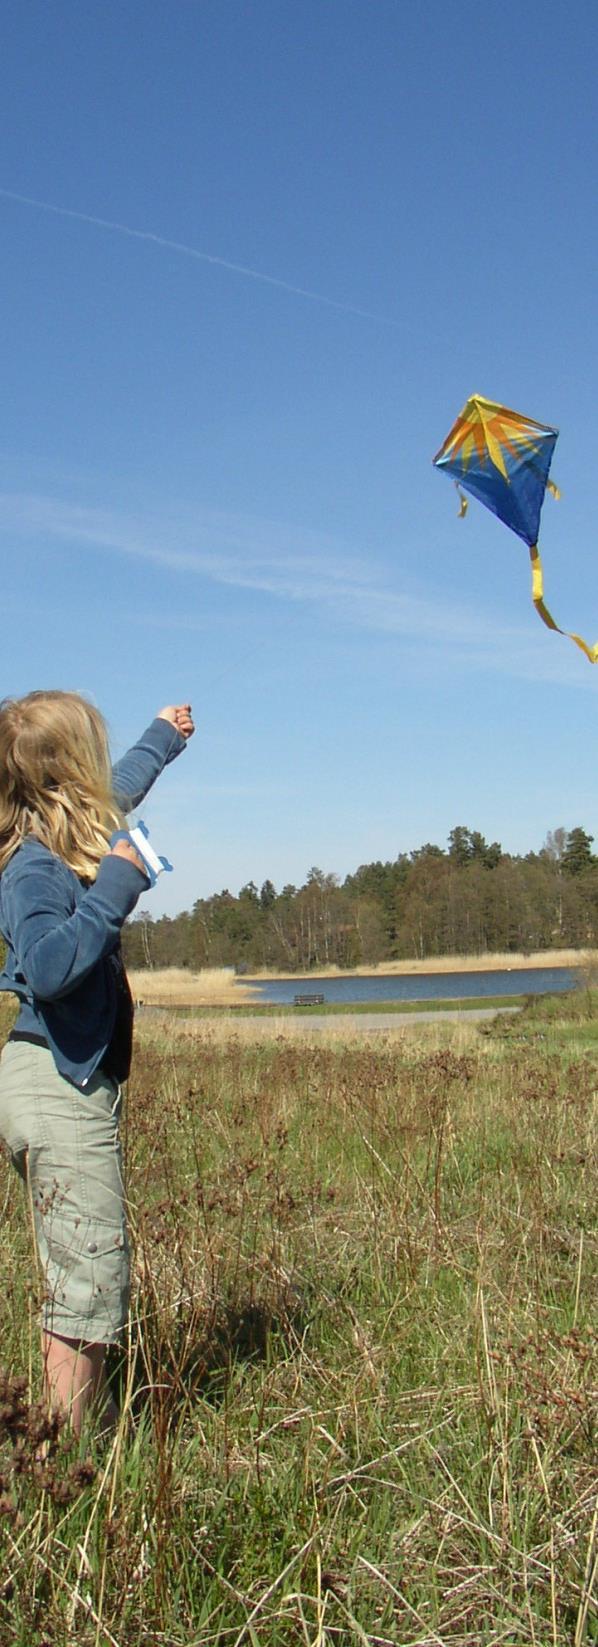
200	257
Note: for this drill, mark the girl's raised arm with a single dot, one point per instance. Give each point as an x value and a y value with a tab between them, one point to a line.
160	744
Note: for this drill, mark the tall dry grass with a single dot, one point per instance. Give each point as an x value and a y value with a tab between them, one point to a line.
359	1397
170	986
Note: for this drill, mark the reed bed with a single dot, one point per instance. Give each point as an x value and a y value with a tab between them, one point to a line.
502	961
176	986
358	1403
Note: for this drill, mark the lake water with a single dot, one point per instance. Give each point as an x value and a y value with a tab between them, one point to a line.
431	986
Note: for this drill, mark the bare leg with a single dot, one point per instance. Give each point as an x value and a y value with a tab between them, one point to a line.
75	1380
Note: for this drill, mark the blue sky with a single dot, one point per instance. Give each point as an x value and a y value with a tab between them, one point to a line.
219	488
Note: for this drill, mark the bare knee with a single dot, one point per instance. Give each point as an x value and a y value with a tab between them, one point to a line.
75	1378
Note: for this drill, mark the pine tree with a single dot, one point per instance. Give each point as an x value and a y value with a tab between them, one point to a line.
577	855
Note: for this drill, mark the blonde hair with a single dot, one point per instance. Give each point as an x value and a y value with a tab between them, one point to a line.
56	779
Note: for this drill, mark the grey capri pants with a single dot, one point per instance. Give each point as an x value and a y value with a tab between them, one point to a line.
66	1143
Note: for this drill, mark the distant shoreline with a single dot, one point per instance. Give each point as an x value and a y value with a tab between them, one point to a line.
436	966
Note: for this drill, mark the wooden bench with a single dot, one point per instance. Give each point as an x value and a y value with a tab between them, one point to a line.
308	1000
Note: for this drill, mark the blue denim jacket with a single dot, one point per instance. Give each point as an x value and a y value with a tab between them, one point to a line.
60	931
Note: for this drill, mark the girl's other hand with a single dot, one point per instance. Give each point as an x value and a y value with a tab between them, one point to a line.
179	715
125	849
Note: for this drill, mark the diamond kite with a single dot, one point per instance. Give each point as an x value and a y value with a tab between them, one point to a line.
503	459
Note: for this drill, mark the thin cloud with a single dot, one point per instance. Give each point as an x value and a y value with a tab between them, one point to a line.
183	250
286	564
261	556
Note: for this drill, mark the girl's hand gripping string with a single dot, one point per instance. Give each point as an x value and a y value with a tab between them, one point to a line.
180	716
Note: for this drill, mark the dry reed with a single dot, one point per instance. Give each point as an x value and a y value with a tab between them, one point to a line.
170	986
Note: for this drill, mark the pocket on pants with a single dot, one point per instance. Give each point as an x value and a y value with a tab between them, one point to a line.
85	1267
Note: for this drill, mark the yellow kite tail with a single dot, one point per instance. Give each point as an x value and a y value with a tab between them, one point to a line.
591	652
463	503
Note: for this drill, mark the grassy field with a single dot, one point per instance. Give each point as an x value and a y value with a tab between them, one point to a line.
359	1404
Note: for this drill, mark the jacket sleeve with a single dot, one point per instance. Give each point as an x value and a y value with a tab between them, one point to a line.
138	770
57	944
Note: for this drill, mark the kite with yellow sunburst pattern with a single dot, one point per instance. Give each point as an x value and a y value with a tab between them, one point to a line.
504	459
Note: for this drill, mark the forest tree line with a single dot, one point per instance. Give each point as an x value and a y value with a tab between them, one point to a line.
468	899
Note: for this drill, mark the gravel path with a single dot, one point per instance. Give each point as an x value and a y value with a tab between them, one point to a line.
368	1021
381	1020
